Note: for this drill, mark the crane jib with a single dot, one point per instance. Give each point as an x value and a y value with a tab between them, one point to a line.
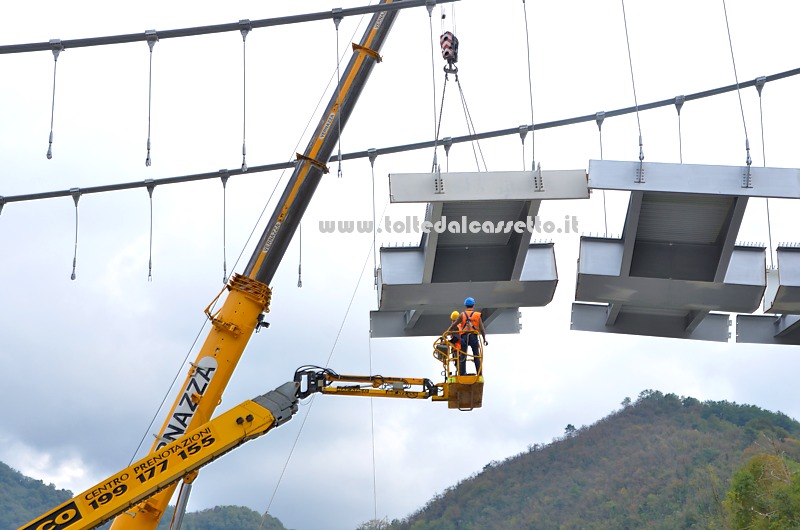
307	173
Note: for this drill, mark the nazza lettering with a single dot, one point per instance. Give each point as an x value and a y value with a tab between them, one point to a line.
271	236
327	126
379	21
184	411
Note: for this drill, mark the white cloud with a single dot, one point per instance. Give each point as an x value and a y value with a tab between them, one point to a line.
65	470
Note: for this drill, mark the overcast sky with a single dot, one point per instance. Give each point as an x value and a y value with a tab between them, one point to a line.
88	362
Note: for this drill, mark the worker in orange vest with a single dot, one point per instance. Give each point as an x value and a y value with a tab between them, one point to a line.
470	324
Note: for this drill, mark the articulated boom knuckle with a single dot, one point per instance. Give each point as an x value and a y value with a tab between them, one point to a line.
310	382
281	402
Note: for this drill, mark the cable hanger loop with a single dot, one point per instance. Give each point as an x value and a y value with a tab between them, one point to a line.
429	4
760	82
640	176
150	187
447	143
76	195
224	178
337	18
300	256
57	47
373	154
679	100
530	89
523	132
244	24
599	118
747	179
152	38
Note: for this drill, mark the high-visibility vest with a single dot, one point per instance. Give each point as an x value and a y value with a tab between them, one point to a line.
470	322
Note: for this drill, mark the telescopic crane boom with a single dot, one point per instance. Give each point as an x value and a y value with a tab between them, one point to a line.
172	462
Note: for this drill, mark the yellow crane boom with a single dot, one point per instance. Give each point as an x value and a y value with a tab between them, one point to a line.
171	462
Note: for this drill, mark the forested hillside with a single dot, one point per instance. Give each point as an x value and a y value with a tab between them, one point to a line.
662	462
23	498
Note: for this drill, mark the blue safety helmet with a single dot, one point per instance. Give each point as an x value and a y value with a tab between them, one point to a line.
469	302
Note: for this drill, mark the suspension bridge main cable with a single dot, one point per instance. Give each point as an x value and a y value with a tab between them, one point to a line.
405	147
216	28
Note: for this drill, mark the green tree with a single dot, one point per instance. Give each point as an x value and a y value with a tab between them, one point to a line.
765	494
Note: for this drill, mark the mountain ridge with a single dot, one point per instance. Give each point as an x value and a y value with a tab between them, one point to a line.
662	461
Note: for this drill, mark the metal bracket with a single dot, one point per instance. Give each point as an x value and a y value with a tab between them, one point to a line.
639	174
760	82
2	202
599	117
538	181
447	143
747	178
313	162
438	182
245	27
76	195
429	5
337	16
372	53
152	38
57	47
679	100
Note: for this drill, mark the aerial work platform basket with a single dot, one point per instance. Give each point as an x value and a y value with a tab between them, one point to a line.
461	391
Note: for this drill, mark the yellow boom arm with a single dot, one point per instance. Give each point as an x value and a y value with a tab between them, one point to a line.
172	462
463	392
